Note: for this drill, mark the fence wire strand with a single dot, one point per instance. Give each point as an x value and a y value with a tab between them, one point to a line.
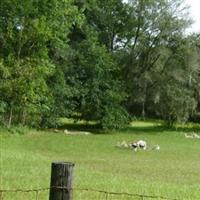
105	195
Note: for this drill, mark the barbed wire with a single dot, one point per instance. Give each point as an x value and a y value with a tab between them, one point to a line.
23	190
107	193
124	193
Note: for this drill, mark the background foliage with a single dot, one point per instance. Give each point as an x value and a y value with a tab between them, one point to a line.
97	60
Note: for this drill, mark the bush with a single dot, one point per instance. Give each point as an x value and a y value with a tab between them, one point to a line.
114	118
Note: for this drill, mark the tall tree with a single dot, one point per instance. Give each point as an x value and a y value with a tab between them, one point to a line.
158	26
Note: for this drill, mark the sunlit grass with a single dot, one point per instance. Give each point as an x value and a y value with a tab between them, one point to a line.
173	171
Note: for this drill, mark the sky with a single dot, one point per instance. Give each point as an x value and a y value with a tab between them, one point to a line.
195	14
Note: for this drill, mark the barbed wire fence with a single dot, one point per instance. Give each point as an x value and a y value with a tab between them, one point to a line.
88	194
61	188
36	192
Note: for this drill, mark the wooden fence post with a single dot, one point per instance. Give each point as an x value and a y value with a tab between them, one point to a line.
61	181
1	195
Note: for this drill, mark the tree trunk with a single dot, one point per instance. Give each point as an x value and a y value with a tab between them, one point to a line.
24	116
10	116
143	110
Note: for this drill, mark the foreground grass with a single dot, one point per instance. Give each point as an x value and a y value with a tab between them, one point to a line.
172	172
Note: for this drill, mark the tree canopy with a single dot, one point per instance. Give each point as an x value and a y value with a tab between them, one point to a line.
98	60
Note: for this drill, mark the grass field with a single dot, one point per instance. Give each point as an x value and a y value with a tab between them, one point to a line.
172	172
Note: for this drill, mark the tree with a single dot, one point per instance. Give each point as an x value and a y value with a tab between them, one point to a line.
110	20
152	55
28	28
96	60
89	74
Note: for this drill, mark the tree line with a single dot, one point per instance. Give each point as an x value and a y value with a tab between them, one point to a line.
98	60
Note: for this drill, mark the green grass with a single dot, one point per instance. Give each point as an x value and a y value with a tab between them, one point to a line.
172	172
